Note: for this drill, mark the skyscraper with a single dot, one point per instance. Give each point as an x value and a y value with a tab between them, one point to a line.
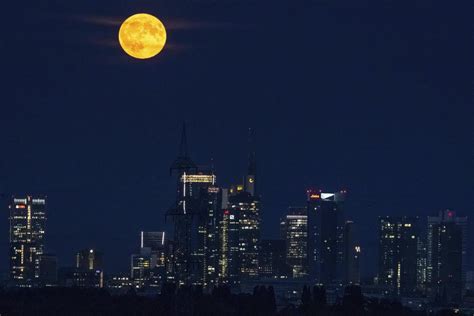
294	229
247	208
247	204
325	233
398	254
229	252
27	229
209	235
422	264
240	226
352	252
194	215
446	255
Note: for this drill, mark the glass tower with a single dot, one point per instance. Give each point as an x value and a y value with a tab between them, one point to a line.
326	236
294	229
27	229
398	254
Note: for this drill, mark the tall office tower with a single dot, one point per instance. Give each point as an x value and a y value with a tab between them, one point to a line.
246	203
240	227
194	230
294	230
398	250
229	252
325	233
272	260
27	229
208	236
246	208
193	214
352	251
446	255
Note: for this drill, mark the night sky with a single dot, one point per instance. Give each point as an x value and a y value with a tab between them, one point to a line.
372	96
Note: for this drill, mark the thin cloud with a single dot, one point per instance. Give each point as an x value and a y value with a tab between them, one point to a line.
170	23
98	20
177	24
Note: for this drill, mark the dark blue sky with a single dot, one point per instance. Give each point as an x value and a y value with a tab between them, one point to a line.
372	96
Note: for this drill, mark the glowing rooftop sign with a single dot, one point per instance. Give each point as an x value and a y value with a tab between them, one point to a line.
198	178
325	196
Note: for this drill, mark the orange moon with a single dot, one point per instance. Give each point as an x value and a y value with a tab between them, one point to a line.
142	36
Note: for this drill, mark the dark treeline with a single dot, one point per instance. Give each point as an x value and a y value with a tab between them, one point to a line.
192	301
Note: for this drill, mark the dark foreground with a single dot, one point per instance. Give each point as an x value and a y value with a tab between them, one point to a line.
187	301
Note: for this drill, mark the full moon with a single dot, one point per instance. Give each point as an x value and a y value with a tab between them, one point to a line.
142	36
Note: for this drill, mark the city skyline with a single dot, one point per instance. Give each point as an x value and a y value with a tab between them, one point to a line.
274	235
312	194
216	244
249	156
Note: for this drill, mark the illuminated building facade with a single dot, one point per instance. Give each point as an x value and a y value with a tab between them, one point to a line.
272	259
422	264
229	253
326	230
239	229
398	254
246	203
446	255
209	236
27	229
294	229
141	267
248	209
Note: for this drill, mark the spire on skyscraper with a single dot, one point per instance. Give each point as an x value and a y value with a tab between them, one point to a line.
183	162
252	163
250	178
